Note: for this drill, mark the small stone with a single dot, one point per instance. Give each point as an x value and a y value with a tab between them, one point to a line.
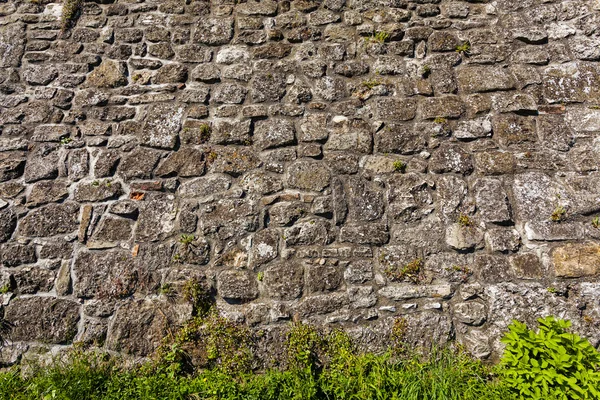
308	175
273	133
109	74
237	286
575	260
161	125
40	74
464	237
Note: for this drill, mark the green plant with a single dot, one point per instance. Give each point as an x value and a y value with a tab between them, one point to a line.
260	276
198	296
464	48
70	13
411	271
205	131
596	222
440	120
549	364
371	83
425	70
378	36
65	140
399	166
558	214
464	220
551	289
303	344
186	239
5	289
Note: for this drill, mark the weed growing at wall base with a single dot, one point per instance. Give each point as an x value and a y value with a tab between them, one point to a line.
550	364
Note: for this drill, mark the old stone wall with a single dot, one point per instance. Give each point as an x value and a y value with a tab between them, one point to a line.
343	162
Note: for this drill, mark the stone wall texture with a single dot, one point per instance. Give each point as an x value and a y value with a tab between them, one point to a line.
342	162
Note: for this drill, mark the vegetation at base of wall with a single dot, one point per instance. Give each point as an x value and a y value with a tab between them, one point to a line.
319	365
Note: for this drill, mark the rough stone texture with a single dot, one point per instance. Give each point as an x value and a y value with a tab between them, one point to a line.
269	150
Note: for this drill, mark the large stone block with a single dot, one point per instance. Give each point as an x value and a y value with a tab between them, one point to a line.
43	319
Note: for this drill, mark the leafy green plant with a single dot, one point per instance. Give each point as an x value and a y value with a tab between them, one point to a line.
464	220
371	83
379	37
399	166
464	48
596	222
411	271
549	364
65	140
186	239
205	131
70	13
558	214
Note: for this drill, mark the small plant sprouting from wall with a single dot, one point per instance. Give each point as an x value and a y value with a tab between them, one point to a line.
205	131
464	220
399	166
378	37
559	214
464	48
413	271
70	12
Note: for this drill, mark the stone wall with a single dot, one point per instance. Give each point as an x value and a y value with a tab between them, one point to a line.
343	162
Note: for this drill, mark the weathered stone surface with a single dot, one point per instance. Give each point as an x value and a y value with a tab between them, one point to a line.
214	31
483	79
576	260
109	274
109	74
492	201
139	325
187	162
451	158
295	157
308	175
43	319
156	219
161	126
273	133
12	44
284	281
265	247
50	220
16	254
237	286
461	237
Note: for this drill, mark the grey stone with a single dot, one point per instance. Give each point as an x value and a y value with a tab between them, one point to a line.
273	133
491	200
44	319
161	126
483	79
308	175
50	220
237	286
284	281
214	31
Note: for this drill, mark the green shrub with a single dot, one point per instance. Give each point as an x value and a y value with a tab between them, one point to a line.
549	364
